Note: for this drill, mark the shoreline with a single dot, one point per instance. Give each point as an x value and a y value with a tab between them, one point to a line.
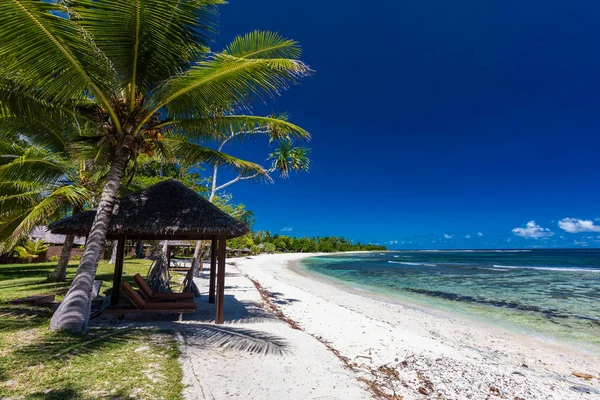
484	322
428	349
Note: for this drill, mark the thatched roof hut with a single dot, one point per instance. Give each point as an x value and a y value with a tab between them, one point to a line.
168	210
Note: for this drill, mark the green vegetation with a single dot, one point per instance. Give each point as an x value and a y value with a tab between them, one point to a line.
31	249
272	243
104	363
135	80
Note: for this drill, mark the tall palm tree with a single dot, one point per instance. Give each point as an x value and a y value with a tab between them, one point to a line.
134	69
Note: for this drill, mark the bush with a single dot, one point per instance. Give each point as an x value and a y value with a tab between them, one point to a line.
54	258
269	248
76	257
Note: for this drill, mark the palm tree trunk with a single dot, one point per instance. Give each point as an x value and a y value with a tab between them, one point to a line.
73	312
113	255
60	272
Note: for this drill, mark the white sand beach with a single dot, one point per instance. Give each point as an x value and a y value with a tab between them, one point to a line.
352	346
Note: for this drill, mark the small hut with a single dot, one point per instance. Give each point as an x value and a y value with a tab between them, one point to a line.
166	211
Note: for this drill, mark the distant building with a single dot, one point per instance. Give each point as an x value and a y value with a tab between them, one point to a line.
55	242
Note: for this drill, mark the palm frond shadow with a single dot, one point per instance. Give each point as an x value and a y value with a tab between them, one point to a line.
227	337
67	393
17	317
61	344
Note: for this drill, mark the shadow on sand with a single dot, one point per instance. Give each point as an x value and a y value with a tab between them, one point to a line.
229	337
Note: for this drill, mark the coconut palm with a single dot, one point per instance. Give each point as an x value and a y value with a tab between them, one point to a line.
134	70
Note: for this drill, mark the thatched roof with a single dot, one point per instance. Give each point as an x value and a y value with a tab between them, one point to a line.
42	232
168	210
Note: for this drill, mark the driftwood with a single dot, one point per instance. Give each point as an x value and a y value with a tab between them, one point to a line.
188	283
158	277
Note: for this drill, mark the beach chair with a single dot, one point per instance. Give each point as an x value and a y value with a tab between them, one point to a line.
157	307
153	296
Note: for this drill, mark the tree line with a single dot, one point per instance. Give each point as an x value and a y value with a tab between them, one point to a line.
265	241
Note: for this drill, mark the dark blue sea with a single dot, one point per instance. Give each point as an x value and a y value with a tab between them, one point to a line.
550	294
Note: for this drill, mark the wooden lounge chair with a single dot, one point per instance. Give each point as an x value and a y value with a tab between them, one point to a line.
150	295
157	307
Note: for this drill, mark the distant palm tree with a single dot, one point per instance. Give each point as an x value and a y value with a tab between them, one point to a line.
285	158
133	70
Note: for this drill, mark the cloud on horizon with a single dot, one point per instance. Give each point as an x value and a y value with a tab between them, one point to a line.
448	236
533	231
479	234
574	225
467	236
287	229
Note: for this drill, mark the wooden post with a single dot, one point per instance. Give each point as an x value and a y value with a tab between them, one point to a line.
118	274
213	270
168	256
220	314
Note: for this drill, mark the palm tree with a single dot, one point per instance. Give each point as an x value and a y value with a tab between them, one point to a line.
285	158
133	70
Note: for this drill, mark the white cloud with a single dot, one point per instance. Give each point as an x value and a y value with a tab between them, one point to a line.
532	231
479	234
287	229
467	236
448	236
393	242
574	225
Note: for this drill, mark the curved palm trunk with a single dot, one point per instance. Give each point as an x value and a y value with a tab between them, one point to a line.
73	312
60	272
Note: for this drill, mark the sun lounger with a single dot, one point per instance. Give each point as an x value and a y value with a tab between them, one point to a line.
157	307
150	295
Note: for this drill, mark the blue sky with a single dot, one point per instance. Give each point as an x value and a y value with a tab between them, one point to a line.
434	120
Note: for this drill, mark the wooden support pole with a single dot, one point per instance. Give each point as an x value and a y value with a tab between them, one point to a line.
118	274
168	256
220	309
213	270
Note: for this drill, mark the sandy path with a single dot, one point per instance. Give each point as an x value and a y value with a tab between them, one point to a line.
254	355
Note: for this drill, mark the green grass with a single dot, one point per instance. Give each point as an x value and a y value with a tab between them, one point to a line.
36	363
21	280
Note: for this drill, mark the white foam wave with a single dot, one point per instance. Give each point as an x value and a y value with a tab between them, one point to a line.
413	263
560	269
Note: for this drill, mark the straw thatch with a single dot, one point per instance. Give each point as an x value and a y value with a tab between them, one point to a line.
42	232
168	210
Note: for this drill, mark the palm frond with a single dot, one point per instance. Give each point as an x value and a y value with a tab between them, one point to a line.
42	45
190	153
20	200
50	207
263	44
31	164
148	41
289	158
221	127
227	80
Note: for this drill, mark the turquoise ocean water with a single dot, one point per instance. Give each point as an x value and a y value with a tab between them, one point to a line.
550	294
